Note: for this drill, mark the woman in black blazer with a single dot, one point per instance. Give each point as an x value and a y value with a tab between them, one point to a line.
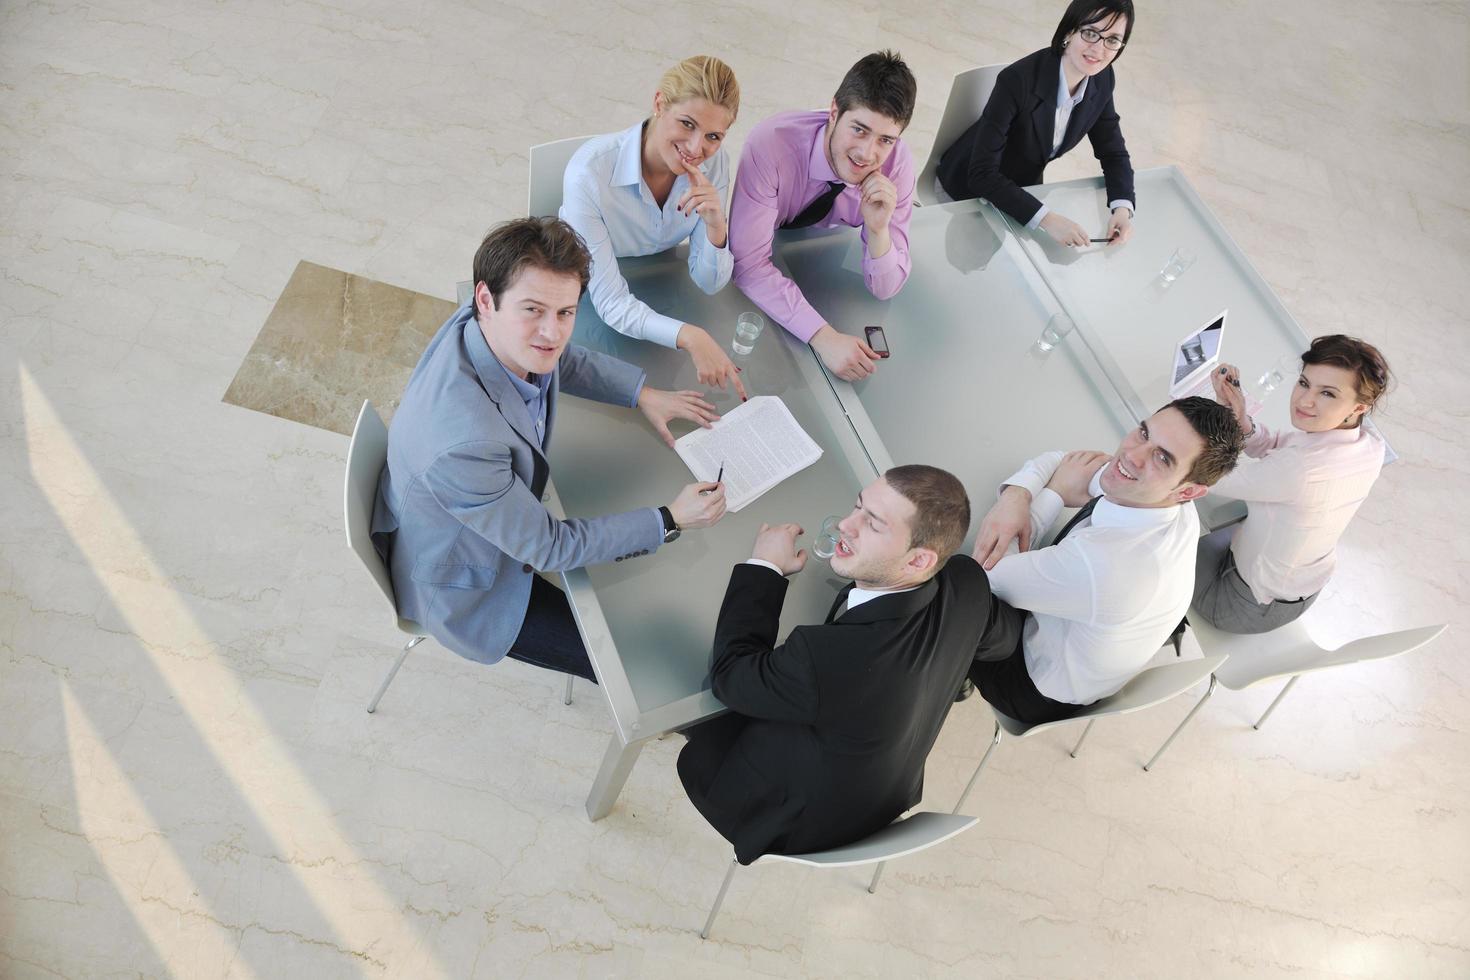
1011	143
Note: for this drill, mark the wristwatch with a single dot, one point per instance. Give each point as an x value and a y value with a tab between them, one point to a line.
671	530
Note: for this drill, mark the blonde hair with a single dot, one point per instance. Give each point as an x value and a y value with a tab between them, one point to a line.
702	77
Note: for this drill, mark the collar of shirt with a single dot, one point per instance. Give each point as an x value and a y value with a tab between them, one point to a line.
818	167
859	596
1331	436
1109	514
628	171
1064	98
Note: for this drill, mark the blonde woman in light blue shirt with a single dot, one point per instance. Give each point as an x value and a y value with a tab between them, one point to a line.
648	188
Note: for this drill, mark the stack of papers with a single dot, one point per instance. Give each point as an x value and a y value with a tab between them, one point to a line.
759	443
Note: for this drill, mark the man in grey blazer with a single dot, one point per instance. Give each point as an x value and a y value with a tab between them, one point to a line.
459	517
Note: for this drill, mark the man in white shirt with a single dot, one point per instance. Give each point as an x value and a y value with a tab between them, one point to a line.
1105	595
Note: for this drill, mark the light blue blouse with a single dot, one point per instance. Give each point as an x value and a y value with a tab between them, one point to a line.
605	199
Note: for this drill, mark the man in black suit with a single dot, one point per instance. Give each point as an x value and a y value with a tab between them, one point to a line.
827	735
1040	108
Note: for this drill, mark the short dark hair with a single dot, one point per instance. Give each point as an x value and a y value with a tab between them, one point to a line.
1358	356
1224	441
1081	12
941	507
881	82
546	243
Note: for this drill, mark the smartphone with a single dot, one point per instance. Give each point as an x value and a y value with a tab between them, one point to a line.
877	340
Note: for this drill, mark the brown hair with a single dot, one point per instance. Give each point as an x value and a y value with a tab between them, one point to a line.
1224	441
941	508
880	82
702	77
546	243
1357	356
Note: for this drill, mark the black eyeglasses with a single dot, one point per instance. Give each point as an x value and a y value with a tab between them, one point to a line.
1111	41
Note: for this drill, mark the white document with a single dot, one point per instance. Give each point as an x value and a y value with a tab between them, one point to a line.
759	443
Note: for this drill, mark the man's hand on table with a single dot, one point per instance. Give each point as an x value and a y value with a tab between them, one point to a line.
663	406
847	357
777	545
699	505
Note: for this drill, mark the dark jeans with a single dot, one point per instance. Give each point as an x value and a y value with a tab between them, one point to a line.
1006	686
549	636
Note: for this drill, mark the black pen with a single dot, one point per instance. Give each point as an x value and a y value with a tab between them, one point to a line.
1099	241
718	478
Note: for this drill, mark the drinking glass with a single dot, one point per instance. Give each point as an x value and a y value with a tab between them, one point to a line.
748	327
1178	263
1284	371
1053	333
825	546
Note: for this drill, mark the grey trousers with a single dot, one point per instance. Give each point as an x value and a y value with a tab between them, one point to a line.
1222	598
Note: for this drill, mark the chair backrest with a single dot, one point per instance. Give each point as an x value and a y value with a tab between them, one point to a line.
1148	688
907	835
968	94
1290	650
548	164
365	458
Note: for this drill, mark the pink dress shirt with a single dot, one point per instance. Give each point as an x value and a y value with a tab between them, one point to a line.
1303	488
783	168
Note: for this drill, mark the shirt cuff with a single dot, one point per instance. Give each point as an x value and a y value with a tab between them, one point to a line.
1035	221
805	324
1045	507
764	564
1026	480
638	389
658	525
1121	203
662	330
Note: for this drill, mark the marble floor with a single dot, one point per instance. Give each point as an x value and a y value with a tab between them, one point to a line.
189	786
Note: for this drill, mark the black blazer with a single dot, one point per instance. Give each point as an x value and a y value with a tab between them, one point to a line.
1009	146
827	735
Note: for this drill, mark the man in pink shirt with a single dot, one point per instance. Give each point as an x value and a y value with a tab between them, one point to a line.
844	166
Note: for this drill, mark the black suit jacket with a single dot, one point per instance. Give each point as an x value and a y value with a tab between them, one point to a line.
828	733
1009	146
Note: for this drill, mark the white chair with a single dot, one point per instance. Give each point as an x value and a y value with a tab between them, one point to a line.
905	836
548	164
968	94
1288	651
1152	686
365	458
543	189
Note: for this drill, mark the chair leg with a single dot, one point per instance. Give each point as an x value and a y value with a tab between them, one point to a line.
719	899
873	885
1078	747
994	741
1257	725
567	698
393	672
1148	766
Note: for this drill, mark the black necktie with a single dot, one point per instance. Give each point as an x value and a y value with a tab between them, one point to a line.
1077	518
818	209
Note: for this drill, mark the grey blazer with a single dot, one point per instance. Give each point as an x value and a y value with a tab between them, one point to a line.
459	515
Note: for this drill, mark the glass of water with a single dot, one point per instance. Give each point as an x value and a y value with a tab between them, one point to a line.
1284	371
825	546
1177	265
748	327
1054	332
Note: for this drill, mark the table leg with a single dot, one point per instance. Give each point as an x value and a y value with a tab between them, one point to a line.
617	763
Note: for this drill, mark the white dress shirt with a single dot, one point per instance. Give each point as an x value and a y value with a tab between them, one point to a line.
1303	488
1106	598
605	199
1066	102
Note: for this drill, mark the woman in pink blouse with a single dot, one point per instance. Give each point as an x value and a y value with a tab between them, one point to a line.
1302	488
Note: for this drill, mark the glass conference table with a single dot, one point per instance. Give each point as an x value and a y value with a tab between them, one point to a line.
967	388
